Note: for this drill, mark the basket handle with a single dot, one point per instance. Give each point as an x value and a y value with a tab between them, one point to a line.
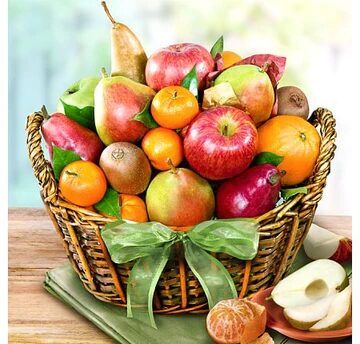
324	119
41	167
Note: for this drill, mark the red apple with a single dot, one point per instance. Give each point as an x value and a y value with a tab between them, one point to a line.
168	66
220	142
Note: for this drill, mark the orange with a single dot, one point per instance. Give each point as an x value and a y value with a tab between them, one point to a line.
133	208
174	107
160	145
82	183
229	58
296	140
226	321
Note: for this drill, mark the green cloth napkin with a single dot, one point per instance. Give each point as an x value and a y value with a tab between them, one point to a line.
64	283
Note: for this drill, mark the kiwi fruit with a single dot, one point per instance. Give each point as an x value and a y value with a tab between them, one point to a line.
292	101
126	167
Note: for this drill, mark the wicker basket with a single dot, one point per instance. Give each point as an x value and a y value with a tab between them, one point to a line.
282	231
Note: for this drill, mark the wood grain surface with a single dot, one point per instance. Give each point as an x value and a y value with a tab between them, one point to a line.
37	317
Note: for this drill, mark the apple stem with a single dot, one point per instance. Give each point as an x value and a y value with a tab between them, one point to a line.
44	112
104	73
225	130
173	168
106	9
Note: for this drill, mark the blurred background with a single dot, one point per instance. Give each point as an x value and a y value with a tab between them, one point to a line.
54	43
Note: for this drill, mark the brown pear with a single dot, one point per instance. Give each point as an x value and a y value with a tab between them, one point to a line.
128	57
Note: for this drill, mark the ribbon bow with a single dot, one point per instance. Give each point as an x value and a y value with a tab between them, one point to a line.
151	242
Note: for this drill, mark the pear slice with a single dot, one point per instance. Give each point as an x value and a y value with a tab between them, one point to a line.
312	282
338	315
321	243
303	317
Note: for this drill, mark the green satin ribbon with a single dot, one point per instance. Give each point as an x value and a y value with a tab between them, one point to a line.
151	244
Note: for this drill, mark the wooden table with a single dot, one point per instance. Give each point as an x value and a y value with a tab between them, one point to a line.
37	317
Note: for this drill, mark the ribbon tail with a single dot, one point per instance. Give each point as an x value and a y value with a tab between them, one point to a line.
142	282
212	275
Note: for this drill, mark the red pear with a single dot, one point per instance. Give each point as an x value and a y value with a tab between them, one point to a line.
65	133
117	100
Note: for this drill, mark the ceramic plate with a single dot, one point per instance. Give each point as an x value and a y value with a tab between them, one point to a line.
277	322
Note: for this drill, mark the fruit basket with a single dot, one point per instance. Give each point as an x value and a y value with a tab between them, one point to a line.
282	231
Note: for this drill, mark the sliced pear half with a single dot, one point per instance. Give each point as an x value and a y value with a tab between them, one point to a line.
310	283
303	317
338	315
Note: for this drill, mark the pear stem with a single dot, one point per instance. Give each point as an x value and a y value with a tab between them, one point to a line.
265	66
274	178
44	112
106	9
173	168
104	73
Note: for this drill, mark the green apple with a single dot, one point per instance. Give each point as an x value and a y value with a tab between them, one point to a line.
310	283
338	315
253	89
77	102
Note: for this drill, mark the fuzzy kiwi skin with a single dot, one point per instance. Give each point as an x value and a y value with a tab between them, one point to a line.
292	101
126	167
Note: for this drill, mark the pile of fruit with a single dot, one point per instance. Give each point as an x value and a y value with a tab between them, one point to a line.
182	136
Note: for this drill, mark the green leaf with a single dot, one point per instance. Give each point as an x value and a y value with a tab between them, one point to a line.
109	204
145	117
218	47
268	158
288	193
84	117
61	158
191	82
